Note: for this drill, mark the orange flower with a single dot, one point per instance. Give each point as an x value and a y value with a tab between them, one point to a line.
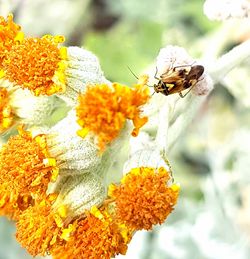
10	35
42	230
95	237
6	114
37	64
144	198
103	110
38	229
26	170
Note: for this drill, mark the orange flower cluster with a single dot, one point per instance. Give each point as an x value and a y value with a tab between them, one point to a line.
41	230
26	170
103	110
144	198
94	238
37	64
6	115
10	35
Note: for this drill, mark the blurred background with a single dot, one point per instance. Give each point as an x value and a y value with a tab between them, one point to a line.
212	159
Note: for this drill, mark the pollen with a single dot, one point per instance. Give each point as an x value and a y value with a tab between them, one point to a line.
37	64
143	198
95	237
103	110
23	172
10	35
6	113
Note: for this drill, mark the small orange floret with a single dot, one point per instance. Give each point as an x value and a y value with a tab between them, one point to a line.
144	198
94	238
12	204
23	170
37	230
10	35
37	64
6	114
104	109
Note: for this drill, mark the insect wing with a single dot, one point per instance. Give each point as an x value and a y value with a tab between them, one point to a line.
177	87
196	72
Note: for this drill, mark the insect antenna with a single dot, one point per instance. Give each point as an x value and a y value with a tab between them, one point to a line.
138	79
132	72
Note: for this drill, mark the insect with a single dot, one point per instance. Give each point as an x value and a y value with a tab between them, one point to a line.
178	79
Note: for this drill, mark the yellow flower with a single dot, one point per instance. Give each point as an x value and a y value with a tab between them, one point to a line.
6	113
10	35
37	64
143	198
103	110
26	170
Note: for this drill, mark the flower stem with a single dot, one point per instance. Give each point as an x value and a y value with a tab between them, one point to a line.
228	61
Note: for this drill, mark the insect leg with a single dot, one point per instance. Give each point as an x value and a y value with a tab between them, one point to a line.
172	64
187	65
182	96
156	71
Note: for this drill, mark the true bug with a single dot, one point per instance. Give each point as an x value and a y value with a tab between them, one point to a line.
178	79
